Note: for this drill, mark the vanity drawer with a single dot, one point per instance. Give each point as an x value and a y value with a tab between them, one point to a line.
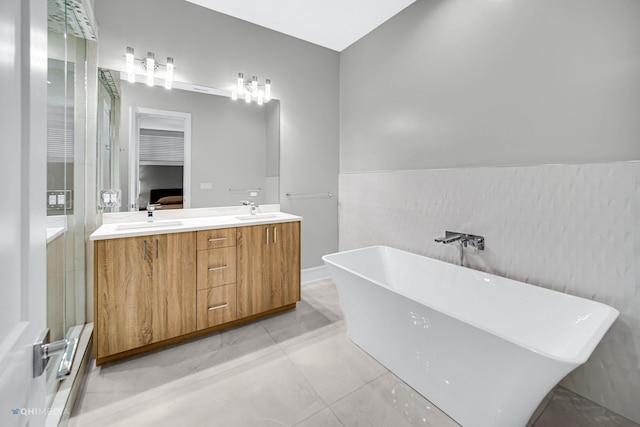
220	238
216	267
216	306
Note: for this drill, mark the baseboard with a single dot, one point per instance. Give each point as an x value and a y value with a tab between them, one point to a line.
314	274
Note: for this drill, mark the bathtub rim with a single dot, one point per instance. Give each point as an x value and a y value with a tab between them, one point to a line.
582	354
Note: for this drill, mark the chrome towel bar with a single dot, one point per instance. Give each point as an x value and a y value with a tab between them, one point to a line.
326	195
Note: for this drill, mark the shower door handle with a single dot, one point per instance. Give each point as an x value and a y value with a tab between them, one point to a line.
43	350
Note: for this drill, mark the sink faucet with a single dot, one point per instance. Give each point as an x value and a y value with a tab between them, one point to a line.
150	208
462	240
252	206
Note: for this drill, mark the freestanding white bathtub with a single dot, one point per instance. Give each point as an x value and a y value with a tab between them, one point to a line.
484	349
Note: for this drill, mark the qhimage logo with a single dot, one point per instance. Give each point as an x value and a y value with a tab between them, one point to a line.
38	411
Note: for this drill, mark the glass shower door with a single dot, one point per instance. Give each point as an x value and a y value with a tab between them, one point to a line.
66	182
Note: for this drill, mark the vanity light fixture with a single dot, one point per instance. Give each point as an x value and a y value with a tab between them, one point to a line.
150	65
168	78
129	65
251	90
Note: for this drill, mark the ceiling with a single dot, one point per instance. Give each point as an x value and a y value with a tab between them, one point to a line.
334	24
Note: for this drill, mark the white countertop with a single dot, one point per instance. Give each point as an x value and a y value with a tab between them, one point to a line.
56	226
180	225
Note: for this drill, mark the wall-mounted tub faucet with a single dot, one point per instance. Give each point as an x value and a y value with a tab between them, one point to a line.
463	240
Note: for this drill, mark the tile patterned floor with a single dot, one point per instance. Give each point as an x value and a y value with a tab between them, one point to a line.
293	369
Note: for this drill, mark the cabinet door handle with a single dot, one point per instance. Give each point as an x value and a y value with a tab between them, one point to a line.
217	307
156	248
218	268
218	239
267	235
275	235
144	250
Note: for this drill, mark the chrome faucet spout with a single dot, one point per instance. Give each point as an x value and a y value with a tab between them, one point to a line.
449	238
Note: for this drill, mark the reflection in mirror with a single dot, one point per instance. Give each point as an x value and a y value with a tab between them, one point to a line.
162	143
233	155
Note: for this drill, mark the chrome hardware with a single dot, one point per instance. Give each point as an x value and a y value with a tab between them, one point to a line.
144	250
326	195
252	206
64	369
150	208
218	307
43	350
449	238
218	268
463	240
243	190
267	235
156	248
218	239
275	235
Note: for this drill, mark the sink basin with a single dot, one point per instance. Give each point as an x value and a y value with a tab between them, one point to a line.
256	217
147	225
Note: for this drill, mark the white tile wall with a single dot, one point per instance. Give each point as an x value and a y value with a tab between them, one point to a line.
572	228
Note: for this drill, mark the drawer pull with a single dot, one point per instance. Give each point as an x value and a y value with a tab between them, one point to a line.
218	268
218	239
218	307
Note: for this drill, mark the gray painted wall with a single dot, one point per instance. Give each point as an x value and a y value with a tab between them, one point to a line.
485	82
210	49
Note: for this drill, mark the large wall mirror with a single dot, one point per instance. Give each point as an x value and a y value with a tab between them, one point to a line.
190	146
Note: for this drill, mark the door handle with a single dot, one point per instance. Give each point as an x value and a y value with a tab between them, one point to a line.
275	234
43	350
267	236
156	248
144	250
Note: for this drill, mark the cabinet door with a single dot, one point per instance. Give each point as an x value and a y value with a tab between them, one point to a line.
284	264
174	280
124	289
253	287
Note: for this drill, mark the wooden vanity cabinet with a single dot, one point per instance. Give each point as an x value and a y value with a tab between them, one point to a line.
157	290
268	267
145	291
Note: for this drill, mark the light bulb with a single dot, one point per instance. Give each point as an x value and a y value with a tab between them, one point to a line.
240	83
247	97
129	65
151	65
168	79
254	84
234	95
267	90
